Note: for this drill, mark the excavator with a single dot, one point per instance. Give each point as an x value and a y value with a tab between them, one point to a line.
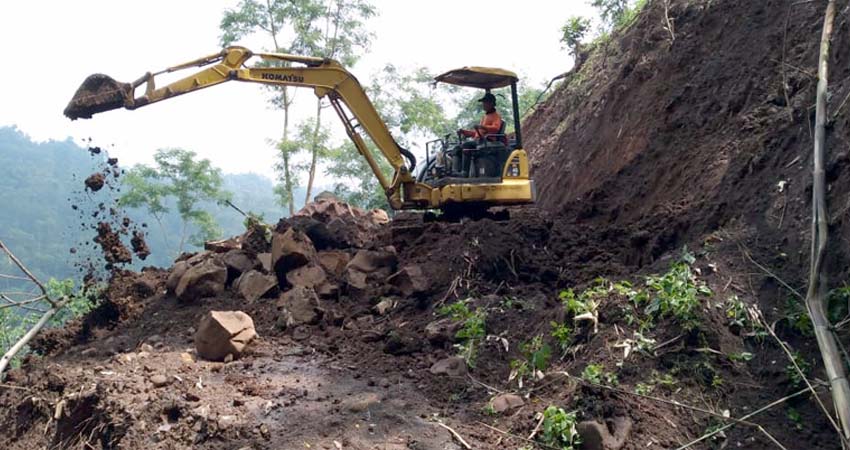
460	180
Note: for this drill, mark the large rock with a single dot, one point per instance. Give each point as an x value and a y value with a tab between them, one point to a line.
291	249
222	333
453	366
410	281
368	261
310	276
442	331
506	402
611	435
239	262
334	262
253	285
206	279
177	272
299	306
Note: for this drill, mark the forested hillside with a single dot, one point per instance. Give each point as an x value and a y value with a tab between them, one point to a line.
42	180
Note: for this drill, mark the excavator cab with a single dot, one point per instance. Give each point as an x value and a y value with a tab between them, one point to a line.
488	160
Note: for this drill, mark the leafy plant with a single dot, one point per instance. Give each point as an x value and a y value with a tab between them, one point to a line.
596	374
795	417
559	429
797	317
644	388
573	32
537	355
793	375
563	334
472	329
740	317
674	294
740	357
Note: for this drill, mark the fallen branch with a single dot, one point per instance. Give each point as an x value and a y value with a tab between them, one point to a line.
456	435
55	306
7	357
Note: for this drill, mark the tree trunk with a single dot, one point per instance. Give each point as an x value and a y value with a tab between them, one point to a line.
314	150
816	293
287	174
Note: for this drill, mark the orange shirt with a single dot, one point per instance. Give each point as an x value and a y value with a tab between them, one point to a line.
492	123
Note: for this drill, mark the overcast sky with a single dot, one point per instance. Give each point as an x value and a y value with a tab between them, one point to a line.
50	47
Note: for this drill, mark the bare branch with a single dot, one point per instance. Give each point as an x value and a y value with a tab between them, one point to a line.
7	357
13	277
26	271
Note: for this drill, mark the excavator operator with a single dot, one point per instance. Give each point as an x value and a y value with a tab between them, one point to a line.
491	123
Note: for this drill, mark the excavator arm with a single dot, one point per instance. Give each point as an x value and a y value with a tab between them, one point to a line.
328	79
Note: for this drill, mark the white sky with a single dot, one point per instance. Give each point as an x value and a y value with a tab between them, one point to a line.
51	46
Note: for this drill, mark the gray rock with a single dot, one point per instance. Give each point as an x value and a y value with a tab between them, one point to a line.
453	366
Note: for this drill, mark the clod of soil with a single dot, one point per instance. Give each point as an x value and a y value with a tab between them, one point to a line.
95	181
114	250
140	247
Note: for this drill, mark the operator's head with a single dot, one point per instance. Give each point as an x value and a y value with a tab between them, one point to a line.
488	102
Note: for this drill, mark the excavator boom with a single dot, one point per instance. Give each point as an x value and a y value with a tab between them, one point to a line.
328	79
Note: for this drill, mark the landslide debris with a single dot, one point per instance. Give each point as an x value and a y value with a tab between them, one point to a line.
652	145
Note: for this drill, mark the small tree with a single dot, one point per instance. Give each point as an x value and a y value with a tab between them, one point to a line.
187	181
611	11
573	32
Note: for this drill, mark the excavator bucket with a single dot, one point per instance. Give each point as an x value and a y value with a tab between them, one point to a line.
97	94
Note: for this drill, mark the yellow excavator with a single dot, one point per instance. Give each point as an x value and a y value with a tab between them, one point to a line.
459	179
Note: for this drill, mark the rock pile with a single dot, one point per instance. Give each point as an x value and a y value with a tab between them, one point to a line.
326	251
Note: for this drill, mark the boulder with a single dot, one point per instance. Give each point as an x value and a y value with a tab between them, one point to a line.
177	272
265	261
291	249
356	280
442	331
453	366
506	402
611	435
310	276
206	279
299	306
368	261
239	262
410	281
334	262
222	333
253	285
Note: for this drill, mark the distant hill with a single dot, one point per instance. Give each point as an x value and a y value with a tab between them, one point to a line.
41	180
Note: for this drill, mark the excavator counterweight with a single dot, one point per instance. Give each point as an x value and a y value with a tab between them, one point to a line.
499	173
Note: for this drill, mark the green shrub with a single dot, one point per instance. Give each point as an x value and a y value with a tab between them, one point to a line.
675	294
471	331
559	429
